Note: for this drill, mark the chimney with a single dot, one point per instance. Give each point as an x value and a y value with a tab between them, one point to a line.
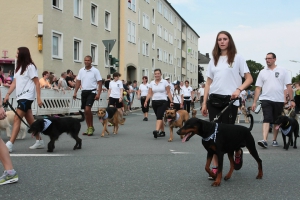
207	55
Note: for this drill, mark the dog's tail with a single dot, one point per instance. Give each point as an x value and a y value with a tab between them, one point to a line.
82	116
252	121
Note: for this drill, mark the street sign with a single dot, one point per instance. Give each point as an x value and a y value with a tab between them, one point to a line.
109	44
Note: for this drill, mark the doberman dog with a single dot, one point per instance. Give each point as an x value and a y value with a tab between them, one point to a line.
220	139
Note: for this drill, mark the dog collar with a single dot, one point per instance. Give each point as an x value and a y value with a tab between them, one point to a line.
47	123
285	131
106	115
287	123
213	136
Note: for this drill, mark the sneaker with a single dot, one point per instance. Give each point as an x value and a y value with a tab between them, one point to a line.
214	170
39	144
87	130
275	143
109	124
9	146
155	133
90	131
146	118
238	161
263	144
7	178
161	134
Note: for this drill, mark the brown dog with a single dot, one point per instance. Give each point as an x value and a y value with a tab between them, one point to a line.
176	120
111	115
194	113
245	112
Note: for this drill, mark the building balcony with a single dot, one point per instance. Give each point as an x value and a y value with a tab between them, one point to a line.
183	54
183	36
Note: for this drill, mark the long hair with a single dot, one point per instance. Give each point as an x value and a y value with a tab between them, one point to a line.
24	59
231	50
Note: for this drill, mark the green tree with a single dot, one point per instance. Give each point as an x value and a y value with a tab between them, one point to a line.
254	68
296	78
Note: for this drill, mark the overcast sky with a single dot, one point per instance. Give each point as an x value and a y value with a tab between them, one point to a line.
257	27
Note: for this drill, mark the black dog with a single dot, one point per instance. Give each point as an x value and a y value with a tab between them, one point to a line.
288	126
54	127
220	139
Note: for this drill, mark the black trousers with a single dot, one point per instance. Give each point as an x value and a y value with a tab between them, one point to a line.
142	104
187	105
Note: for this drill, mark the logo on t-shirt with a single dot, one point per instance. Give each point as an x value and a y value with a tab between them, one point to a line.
276	74
118	85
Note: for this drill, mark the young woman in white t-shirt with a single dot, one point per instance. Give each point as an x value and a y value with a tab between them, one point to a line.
115	92
142	94
224	77
188	96
158	89
27	87
177	96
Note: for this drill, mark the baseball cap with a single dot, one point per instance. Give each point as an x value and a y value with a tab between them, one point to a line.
167	78
176	83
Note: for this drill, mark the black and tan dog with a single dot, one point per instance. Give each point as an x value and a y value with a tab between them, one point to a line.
220	139
176	120
111	115
54	127
245	111
288	126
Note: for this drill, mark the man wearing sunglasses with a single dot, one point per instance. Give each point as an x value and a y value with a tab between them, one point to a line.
270	85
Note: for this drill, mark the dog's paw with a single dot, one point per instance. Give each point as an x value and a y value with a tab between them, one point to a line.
295	147
115	133
170	140
226	178
102	135
259	176
216	183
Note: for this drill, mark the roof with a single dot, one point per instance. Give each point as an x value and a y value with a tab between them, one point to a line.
203	59
181	17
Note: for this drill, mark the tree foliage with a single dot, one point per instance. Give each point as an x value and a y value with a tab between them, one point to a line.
296	78
254	68
200	74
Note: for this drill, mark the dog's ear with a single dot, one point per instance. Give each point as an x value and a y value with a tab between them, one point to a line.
29	131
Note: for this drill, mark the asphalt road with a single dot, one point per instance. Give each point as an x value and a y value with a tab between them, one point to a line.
134	165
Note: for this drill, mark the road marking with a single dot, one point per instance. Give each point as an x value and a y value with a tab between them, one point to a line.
38	155
181	153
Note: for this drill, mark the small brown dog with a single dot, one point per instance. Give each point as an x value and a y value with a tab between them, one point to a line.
245	112
111	115
176	120
194	113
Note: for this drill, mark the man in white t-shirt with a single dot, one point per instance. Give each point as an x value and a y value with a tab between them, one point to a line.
271	81
91	82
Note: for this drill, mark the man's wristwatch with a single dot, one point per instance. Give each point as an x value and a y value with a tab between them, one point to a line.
292	100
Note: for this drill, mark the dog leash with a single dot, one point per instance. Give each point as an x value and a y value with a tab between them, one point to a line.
219	115
11	107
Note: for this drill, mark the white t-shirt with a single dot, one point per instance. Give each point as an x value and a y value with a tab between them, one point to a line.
115	89
89	78
226	78
144	89
171	88
272	83
159	90
177	96
63	82
187	92
25	87
132	92
201	92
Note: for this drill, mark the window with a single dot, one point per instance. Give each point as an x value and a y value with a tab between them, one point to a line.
94	54
78	8
159	30
153	63
145	48
131	4
131	31
139	45
171	17
94	14
77	50
166	35
178	62
106	57
107	21
57	45
159	6
139	16
171	38
153	16
159	54
57	4
145	72
153	41
166	12
166	57
146	21
179	44
148	1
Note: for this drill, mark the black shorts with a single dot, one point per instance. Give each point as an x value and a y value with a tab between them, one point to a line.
159	107
228	117
24	104
271	110
115	102
87	98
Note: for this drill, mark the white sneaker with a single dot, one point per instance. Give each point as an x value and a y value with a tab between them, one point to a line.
39	144
9	145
